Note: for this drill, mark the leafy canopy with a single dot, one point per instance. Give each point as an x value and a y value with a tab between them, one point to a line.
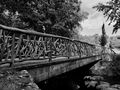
50	16
112	11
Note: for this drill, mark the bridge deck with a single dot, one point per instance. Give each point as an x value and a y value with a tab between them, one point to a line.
39	63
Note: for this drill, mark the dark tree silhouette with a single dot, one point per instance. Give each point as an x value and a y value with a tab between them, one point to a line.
103	39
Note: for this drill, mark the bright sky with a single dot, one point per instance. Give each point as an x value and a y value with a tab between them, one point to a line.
93	24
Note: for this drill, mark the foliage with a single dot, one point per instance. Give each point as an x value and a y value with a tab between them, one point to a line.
114	66
50	16
112	11
114	41
111	68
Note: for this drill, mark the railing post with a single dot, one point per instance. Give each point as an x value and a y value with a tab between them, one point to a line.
13	51
50	53
78	49
2	46
81	49
86	48
68	48
19	45
44	46
80	54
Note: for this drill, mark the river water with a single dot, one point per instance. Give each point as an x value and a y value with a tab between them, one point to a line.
64	83
89	82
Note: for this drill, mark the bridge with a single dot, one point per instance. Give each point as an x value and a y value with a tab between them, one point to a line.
43	55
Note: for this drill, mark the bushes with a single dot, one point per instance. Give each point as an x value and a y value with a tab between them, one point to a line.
103	66
108	68
114	66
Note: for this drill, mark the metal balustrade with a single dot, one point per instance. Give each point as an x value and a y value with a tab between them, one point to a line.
17	45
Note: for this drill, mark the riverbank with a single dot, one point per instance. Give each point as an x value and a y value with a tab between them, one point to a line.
102	83
105	75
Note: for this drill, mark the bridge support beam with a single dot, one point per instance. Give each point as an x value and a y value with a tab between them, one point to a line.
54	69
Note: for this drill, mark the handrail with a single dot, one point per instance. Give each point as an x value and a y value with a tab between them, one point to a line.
19	45
36	33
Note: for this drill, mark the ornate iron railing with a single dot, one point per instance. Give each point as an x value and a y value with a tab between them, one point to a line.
19	45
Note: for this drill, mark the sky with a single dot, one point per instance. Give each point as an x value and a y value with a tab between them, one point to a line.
95	20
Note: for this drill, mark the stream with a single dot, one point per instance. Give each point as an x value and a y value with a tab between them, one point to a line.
89	82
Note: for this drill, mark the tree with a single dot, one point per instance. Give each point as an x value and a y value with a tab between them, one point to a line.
112	11
103	39
50	16
103	42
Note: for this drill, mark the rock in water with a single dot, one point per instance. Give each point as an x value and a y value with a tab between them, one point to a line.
117	86
17	81
103	86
